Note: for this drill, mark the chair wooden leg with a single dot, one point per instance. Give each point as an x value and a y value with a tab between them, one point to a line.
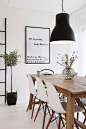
48	110
84	120
77	116
65	115
27	108
44	116
33	107
76	124
62	122
38	111
59	124
50	119
43	106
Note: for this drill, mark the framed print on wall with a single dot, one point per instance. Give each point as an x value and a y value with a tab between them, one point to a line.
37	46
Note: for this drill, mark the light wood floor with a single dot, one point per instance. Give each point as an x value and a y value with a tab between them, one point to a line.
16	117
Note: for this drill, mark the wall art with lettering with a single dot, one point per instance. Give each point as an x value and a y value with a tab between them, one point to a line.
37	46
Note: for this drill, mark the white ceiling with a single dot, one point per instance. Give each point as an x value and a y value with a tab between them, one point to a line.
45	5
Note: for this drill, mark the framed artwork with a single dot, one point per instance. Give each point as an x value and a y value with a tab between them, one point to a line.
37	46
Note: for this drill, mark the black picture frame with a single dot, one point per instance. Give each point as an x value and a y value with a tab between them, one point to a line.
28	62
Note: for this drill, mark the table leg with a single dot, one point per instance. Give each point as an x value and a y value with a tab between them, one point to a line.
70	113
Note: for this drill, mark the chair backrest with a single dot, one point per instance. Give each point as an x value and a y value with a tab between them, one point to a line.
53	98
31	85
41	90
46	71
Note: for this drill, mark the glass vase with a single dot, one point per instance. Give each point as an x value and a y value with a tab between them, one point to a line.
68	73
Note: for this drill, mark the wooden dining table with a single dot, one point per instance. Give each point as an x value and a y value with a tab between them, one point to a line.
73	89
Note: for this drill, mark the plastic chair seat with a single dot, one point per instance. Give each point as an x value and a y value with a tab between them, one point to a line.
62	100
32	86
42	91
76	108
45	99
35	94
84	101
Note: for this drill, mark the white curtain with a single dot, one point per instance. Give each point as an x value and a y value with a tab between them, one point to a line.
78	24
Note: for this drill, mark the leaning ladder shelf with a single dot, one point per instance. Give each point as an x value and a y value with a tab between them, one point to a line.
1	31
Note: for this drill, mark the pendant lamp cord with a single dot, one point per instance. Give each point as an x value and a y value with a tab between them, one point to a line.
62	8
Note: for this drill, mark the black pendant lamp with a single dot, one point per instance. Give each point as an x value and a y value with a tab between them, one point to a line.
62	33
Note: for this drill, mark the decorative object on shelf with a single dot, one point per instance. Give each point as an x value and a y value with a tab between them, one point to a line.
11	59
37	46
68	73
62	32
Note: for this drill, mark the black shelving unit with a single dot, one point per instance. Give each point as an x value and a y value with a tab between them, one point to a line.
1	31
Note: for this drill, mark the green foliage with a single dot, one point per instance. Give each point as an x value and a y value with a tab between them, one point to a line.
12	58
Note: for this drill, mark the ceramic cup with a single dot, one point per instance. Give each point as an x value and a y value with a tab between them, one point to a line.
38	73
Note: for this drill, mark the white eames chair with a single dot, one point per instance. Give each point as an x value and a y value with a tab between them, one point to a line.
42	97
31	86
46	72
82	103
33	92
56	105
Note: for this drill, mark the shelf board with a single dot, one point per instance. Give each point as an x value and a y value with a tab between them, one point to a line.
2	95
2	31
2	44
2	82
2	69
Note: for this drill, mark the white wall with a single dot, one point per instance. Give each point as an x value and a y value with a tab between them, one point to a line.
17	20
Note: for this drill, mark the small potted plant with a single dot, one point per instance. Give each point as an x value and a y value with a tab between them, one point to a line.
11	60
68	73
